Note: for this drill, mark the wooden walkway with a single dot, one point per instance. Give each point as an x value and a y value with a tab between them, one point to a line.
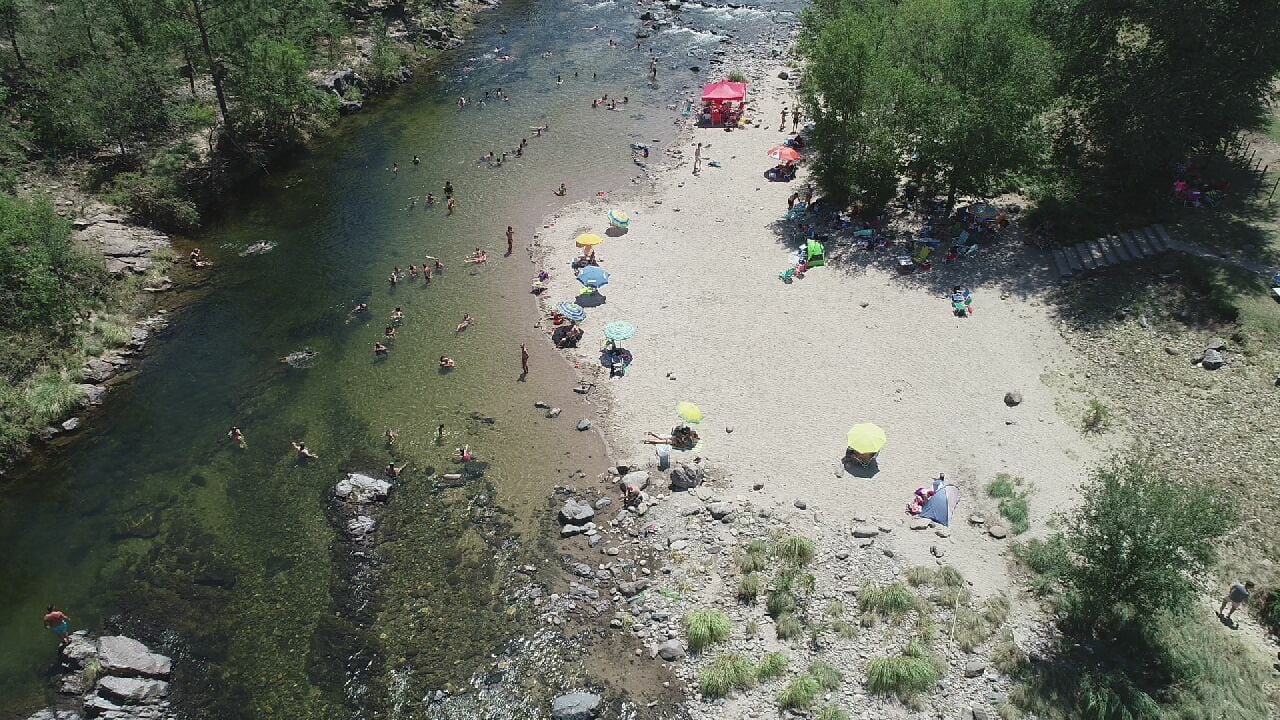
1112	250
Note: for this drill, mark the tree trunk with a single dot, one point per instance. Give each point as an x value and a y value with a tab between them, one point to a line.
951	196
88	28
214	68
13	40
191	71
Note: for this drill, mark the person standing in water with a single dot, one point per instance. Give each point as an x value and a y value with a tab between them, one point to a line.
510	240
450	206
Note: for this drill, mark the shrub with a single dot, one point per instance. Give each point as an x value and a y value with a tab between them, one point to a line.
1045	557
737	76
1097	417
828	677
903	676
155	199
799	694
1007	657
772	665
789	627
705	627
749	587
795	550
726	674
1004	486
887	601
1268	609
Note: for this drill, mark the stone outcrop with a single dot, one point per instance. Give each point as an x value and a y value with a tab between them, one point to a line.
111	678
127	248
360	489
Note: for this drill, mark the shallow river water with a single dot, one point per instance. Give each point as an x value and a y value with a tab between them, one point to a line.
153	523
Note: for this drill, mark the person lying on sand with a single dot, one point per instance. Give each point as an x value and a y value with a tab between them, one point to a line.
682	438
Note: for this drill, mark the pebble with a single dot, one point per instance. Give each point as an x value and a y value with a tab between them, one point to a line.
998	532
553	413
801	504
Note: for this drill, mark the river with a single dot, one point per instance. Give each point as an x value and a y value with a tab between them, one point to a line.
152	522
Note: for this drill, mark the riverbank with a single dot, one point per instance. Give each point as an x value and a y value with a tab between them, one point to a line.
782	371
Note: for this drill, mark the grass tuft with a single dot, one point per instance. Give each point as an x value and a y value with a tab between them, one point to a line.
795	549
705	627
920	575
903	676
1007	657
835	609
1097	417
751	561
1013	506
780	602
830	712
772	665
827	676
888	601
51	395
845	629
799	694
789	627
749	587
726	674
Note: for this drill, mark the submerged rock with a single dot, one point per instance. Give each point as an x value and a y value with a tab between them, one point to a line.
359	488
126	657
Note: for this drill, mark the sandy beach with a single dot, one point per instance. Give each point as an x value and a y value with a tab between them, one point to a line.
782	371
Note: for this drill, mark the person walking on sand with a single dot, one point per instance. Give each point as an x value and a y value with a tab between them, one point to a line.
524	361
58	622
511	238
795	120
697	159
1237	596
783	125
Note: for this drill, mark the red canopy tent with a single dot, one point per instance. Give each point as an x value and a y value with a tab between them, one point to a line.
724	91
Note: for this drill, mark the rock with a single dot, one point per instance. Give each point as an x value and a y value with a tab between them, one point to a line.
784	75
603	503
632	588
1216	344
865	531
542	405
648	15
126	657
360	526
635	481
553	413
360	489
78	648
886	552
760	485
582	570
678	545
97	370
919	523
51	714
1212	360
594	540
979	713
801	504
937	551
575	706
721	510
92	394
575	512
942	532
976	519
95	704
974	668
671	650
71	424
998	532
1013	397
133	691
571	530
685	476
584	425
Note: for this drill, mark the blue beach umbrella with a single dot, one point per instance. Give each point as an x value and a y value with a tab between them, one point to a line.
572	311
619	331
619	219
593	277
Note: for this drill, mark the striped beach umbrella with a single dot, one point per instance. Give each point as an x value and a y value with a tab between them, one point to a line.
593	277
619	331
619	219
572	311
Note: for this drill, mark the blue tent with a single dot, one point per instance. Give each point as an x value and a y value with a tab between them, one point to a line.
943	503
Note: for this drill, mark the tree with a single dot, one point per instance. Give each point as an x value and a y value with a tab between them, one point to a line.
1137	541
1147	83
961	84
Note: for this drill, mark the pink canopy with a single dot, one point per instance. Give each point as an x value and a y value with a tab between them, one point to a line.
724	91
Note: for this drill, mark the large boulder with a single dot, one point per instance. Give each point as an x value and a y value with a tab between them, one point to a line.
51	714
576	512
98	370
685	476
126	657
133	691
575	706
671	650
78	648
635	481
357	488
1212	359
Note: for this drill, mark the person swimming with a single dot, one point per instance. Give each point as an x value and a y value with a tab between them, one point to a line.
564	190
447	363
304	454
379	350
448	188
237	436
397	315
390	333
467	321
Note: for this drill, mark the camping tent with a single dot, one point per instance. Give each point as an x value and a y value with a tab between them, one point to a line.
724	91
943	503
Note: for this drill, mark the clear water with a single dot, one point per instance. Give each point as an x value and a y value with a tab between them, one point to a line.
154	523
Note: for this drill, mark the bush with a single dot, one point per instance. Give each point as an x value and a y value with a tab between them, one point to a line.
155	200
796	550
772	665
1004	486
889	601
726	674
705	627
749	587
1044	557
799	694
789	627
827	677
737	76
1268	609
902	676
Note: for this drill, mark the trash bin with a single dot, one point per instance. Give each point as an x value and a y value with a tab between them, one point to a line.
664	456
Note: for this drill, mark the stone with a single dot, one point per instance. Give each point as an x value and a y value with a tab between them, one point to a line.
1212	360
976	519
633	587
865	531
678	545
979	714
71	424
603	503
360	526
582	570
760	485
801	504
91	394
998	532
126	657
78	648
594	540
635	481
1013	397
553	413
584	425
721	510
575	512
784	75
671	650
542	405
919	523
360	489
942	532
937	551
575	706
685	476
1216	344
974	668
51	714
571	530
133	691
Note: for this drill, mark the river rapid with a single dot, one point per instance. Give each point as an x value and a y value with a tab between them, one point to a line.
153	523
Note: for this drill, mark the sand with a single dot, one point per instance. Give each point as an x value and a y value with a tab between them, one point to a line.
782	371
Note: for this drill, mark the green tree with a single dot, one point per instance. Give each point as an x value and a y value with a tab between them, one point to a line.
1137	541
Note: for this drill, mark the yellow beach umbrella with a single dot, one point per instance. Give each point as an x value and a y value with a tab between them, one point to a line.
866	438
588	240
689	412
